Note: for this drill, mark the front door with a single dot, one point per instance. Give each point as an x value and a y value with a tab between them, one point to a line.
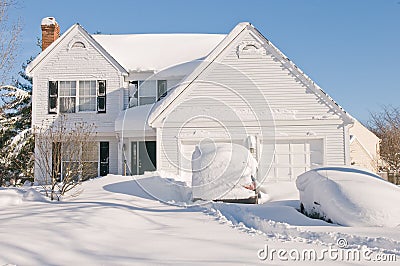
143	157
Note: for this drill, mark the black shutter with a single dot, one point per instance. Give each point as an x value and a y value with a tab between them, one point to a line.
101	96
161	89
104	158
53	97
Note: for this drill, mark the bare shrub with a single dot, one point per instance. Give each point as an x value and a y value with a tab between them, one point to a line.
62	155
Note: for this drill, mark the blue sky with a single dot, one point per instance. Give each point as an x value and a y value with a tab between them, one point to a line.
351	48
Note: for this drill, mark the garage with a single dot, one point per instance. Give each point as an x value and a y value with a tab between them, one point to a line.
294	157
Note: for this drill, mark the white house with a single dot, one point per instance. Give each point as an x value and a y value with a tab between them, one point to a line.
153	97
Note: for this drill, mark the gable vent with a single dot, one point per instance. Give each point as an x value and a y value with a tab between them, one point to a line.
78	45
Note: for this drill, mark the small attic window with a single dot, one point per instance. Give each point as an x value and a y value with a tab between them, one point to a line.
78	45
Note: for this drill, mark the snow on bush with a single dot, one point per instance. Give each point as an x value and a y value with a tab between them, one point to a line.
221	170
349	196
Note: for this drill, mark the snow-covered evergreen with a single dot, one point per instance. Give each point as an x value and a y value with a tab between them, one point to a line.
16	139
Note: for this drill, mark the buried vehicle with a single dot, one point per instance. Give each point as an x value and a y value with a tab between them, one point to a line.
349	196
223	172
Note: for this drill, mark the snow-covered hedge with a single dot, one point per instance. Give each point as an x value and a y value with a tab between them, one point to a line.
221	171
349	196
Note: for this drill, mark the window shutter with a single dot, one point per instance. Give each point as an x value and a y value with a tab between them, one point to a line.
161	89
53	97
101	96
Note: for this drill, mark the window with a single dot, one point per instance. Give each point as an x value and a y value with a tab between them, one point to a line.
149	91
67	96
87	95
77	96
90	160
83	160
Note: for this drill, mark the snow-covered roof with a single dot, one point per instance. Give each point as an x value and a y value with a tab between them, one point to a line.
134	119
153	52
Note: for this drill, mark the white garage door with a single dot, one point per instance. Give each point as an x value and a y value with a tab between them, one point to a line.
294	157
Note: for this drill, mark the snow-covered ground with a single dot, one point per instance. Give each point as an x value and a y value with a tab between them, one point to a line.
113	221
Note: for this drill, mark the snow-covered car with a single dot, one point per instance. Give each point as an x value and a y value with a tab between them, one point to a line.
223	172
349	196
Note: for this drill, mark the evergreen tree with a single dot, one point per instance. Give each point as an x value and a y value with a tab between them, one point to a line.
16	138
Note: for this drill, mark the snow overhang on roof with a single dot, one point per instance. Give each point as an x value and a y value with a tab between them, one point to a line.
134	119
154	52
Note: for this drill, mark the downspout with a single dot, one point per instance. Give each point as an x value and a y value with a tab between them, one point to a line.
346	134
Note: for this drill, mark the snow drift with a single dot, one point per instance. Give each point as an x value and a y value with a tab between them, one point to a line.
221	171
349	196
16	196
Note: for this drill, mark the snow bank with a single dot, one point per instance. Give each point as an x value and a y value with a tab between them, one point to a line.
10	197
32	195
221	170
16	196
280	223
349	196
152	186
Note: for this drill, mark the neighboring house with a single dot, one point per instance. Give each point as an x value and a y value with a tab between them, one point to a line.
206	87
364	147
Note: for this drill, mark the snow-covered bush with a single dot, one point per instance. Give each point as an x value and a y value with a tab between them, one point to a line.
221	171
349	196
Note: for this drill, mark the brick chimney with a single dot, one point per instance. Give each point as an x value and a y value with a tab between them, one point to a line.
50	31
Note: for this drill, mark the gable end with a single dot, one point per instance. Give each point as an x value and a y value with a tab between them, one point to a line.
80	39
